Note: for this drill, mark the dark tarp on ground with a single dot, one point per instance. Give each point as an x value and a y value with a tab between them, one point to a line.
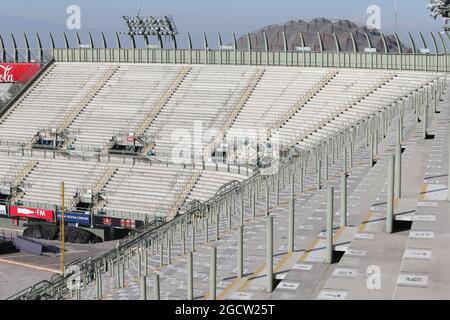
41	231
6	246
51	232
77	235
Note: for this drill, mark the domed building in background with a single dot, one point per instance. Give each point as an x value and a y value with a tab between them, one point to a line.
302	33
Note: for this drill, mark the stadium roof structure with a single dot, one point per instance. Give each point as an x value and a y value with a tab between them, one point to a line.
334	34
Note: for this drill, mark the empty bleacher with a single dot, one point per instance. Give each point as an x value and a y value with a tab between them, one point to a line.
124	100
204	98
49	101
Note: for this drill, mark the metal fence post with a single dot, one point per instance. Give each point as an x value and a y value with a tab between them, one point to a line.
425	119
343	210
398	163
193	237
157	287
267	196
139	258
161	252
330	210
277	189
206	230
240	253
291	228
190	276
213	274
390	195
145	253
448	182
144	288
269	252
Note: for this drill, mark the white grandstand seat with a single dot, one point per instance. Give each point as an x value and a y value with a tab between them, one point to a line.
49	102
206	95
122	103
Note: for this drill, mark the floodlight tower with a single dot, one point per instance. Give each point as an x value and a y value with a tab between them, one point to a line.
150	26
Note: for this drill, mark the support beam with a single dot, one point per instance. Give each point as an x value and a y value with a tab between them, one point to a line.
413	44
355	45
52	40
15	49
27	47
39	43
105	46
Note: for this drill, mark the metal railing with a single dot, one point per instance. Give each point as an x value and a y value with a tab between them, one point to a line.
359	60
183	194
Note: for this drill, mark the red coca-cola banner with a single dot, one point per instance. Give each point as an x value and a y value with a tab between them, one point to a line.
34	213
18	72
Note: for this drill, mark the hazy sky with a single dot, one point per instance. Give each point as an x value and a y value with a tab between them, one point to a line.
212	16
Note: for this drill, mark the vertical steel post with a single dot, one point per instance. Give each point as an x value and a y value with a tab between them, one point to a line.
183	239
139	258
213	274
398	162
343	210
100	284
448	181
344	153
206	230
123	274
254	202
190	279
169	251
217	225
291	228
319	170
390	195
157	287
425	119
277	189
146	262
161	252
240	255
242	207
326	161
330	210
143	288
269	256
267	196
193	236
